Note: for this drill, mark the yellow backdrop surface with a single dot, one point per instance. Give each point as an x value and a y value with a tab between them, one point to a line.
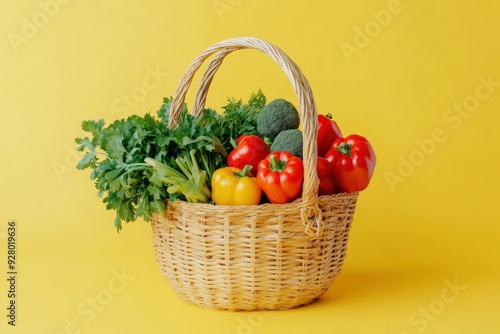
420	79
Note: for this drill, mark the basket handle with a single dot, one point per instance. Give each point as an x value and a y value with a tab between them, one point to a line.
206	80
307	107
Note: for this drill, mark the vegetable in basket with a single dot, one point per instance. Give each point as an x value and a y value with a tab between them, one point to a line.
234	186
280	176
290	141
181	160
353	161
325	175
328	132
128	184
237	119
250	150
276	116
191	183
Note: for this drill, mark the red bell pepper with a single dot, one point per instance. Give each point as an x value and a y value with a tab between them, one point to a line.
250	150
325	175
353	161
328	132
280	176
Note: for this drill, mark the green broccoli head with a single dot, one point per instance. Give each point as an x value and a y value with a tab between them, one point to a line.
276	116
290	141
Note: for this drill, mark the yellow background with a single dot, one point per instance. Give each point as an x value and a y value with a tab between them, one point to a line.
428	221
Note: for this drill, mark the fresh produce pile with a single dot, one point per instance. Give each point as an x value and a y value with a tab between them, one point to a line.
249	154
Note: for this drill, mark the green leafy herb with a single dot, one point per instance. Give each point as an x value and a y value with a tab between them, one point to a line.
237	119
138	163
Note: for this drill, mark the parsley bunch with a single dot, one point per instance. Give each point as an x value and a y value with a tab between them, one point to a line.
138	163
237	118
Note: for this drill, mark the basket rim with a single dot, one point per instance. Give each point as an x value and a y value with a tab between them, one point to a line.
310	213
265	206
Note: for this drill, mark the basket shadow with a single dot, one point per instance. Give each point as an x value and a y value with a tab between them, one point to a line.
355	286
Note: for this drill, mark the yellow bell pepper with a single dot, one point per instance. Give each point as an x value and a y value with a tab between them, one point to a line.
232	186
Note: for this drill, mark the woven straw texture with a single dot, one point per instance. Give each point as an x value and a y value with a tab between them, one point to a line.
262	257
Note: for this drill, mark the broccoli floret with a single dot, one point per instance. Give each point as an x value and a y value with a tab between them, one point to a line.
276	116
290	141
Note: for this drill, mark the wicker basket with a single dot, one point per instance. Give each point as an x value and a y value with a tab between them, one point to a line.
264	257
